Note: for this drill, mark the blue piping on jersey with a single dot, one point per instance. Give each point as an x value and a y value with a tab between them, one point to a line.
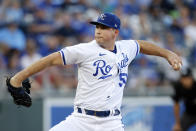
64	62
115	50
137	48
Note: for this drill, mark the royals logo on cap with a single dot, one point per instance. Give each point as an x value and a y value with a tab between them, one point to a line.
108	19
102	16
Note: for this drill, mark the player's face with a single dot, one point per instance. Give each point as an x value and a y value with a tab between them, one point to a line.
104	34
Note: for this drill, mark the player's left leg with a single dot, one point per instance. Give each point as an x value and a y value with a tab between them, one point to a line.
111	123
76	122
118	129
66	125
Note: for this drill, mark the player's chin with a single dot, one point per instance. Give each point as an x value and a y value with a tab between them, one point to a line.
100	41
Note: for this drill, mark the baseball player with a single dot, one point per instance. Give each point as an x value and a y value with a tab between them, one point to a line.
102	75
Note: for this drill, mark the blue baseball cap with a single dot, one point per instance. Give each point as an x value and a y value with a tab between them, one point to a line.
108	19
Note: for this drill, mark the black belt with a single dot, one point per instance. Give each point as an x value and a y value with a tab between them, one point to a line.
99	113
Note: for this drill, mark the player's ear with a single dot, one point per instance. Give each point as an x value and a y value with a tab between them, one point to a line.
116	32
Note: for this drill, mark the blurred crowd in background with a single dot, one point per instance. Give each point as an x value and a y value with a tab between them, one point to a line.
32	29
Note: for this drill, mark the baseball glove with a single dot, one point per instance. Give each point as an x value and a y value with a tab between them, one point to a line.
20	95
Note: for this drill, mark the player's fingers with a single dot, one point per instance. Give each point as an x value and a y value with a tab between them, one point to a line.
177	66
179	60
179	63
176	63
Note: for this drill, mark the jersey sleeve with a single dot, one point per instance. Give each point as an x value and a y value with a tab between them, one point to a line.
133	48
71	55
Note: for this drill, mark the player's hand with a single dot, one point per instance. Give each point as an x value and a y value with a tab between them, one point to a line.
174	60
177	127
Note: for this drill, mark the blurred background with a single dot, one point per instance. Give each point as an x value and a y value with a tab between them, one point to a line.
32	29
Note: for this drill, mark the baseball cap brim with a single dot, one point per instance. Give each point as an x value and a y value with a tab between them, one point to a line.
99	23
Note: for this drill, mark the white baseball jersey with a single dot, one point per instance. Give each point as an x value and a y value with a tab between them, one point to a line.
102	74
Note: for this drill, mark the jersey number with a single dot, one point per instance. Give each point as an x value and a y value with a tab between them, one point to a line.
123	79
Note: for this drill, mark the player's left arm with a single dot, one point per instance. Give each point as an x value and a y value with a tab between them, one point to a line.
151	49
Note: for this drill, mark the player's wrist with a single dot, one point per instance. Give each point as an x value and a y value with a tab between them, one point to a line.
167	54
15	82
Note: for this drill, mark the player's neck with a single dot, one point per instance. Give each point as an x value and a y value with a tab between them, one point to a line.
108	45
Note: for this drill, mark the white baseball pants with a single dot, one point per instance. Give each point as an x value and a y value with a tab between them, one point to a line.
82	122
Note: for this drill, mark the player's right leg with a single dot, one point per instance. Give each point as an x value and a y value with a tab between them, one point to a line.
65	125
76	122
